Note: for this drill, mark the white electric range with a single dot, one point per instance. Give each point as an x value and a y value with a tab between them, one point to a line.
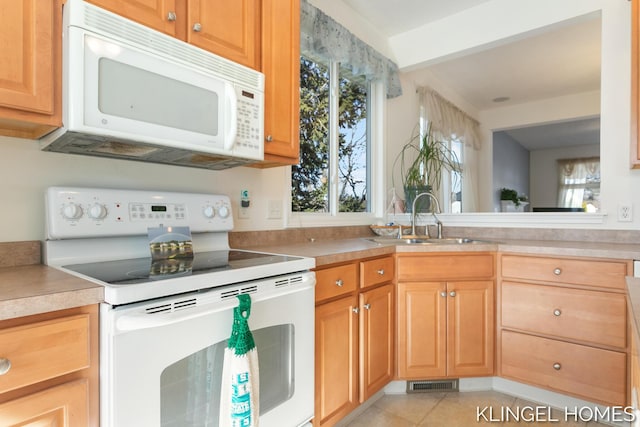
164	323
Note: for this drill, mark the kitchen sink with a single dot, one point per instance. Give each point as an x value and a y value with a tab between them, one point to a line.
416	240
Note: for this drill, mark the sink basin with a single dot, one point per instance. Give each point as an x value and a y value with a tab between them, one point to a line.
413	240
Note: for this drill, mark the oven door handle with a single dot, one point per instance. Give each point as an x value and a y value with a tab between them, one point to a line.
146	320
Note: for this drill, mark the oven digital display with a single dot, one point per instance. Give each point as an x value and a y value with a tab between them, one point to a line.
157	208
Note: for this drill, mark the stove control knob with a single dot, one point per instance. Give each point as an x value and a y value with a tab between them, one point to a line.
209	212
98	211
223	211
71	211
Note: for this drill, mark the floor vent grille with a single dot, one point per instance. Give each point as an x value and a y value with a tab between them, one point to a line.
431	386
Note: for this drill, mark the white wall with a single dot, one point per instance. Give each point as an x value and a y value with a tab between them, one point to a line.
613	103
26	172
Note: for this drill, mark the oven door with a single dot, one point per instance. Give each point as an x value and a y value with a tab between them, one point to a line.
162	360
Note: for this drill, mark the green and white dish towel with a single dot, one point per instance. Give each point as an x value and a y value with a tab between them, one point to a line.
239	396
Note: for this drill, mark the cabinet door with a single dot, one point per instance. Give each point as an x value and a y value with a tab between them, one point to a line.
336	365
63	405
228	28
30	75
422	330
635	84
281	67
160	15
470	328
376	340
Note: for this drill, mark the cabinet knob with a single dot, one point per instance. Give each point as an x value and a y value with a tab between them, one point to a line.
367	306
356	310
268	138
557	271
452	293
5	365
557	366
381	272
171	16
557	312
197	27
443	294
339	283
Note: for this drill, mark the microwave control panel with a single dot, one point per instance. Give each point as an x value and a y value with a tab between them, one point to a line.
74	212
250	128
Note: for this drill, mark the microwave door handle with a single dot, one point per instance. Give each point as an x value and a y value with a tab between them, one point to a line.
231	105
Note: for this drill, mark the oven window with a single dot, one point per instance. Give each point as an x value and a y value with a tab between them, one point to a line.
190	388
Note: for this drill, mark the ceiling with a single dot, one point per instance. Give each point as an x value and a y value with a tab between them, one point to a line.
562	60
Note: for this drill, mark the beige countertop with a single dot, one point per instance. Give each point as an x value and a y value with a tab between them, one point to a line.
32	289
343	250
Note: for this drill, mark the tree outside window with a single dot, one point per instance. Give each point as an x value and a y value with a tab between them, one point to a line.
334	141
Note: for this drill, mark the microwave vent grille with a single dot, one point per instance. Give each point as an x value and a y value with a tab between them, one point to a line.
108	23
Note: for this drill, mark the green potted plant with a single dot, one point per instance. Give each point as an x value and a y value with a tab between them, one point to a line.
421	163
511	201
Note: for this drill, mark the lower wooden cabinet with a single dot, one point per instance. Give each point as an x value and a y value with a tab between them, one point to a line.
52	375
445	329
354	336
594	374
563	325
445	326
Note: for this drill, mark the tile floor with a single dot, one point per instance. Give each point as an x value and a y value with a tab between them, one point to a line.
455	410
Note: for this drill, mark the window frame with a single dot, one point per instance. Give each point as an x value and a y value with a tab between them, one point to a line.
375	169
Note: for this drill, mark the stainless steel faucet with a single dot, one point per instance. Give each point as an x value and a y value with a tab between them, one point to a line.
426	227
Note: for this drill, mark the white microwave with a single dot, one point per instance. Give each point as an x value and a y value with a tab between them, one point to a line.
130	92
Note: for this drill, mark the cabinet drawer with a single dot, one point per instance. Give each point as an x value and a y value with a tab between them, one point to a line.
591	316
334	281
44	350
445	267
600	273
594	374
376	271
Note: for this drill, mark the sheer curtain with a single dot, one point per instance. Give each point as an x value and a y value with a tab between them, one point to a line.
449	122
578	182
322	37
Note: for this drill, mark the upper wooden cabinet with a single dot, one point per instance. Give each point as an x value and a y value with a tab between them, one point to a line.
281	67
160	15
30	75
635	84
228	29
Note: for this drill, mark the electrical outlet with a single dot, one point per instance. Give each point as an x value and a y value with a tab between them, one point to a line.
625	213
243	213
275	209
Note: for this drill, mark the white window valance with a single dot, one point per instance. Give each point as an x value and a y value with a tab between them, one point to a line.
447	119
322	37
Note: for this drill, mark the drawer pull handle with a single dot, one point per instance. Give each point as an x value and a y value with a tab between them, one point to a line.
197	27
557	312
452	293
443	294
557	366
356	310
367	306
5	365
381	272
557	271
339	283
171	16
